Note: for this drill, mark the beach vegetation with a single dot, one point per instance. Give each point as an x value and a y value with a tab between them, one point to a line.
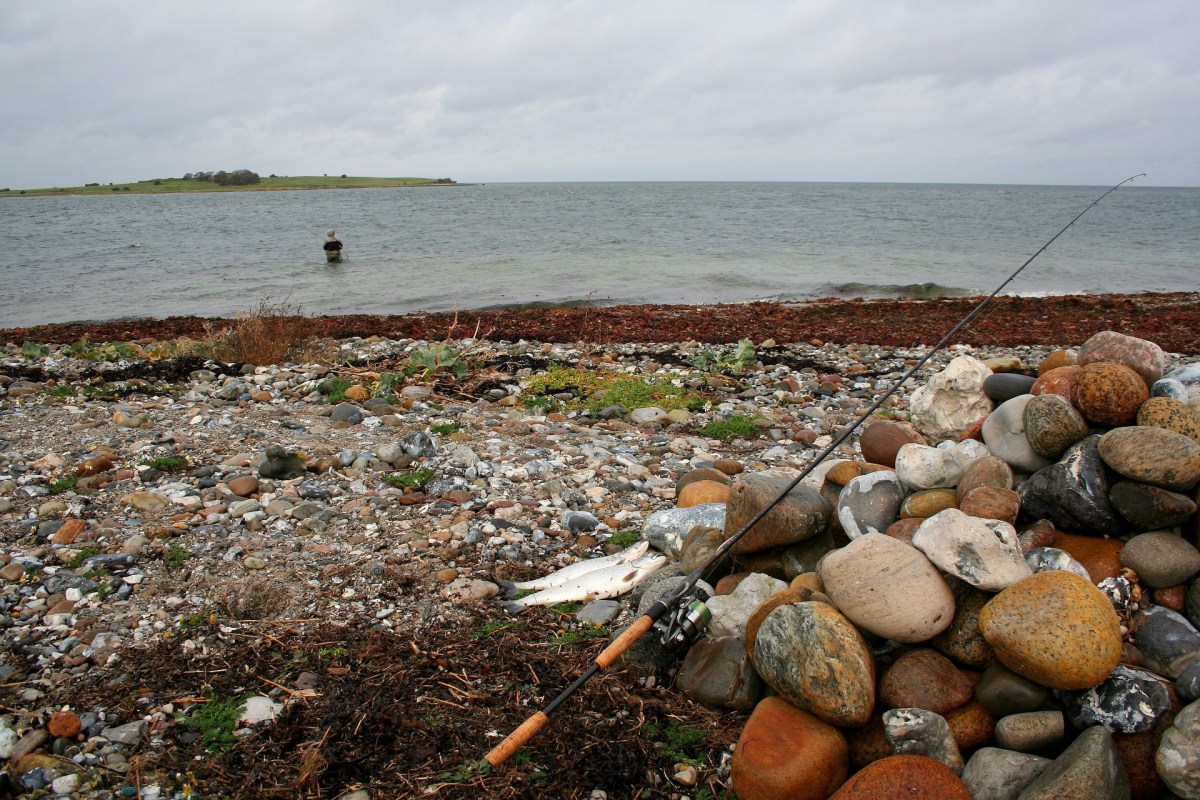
624	539
63	484
737	426
680	742
386	383
409	480
167	463
62	390
443	428
593	390
176	556
32	351
335	388
272	333
437	360
102	351
741	358
216	721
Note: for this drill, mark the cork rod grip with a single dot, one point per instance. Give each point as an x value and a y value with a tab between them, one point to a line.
515	740
624	642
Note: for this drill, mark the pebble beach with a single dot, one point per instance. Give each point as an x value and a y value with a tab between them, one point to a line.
989	591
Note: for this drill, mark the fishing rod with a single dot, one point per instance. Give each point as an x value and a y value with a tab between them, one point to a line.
689	618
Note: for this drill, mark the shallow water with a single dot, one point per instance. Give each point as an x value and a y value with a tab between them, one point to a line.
410	249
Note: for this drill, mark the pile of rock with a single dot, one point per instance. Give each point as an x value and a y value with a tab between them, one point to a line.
999	600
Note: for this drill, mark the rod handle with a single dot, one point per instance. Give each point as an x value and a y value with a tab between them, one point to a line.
624	642
517	739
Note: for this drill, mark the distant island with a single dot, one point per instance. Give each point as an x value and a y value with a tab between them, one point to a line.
236	181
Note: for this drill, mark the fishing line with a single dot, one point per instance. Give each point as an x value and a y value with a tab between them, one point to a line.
685	590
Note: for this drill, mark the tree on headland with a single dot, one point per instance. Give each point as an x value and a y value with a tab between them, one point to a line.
239	177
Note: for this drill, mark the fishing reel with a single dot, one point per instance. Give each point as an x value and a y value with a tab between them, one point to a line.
689	618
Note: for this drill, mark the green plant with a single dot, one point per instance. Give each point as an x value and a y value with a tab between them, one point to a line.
103	392
34	350
176	556
77	561
564	608
198	619
62	390
596	390
167	463
106	351
386	383
335	388
332	653
63	484
543	403
431	361
467	771
737	426
216	721
742	357
679	741
409	480
578	638
624	538
443	428
496	625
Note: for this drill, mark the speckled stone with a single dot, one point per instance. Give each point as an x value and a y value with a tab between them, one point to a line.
1054	628
1060	380
986	471
925	678
786	752
881	439
1148	508
888	588
1178	757
699	492
1161	558
801	515
1056	359
1153	455
927	502
1163	412
1109	394
915	731
1089	769
962	641
1052	425
759	614
1144	357
982	552
1031	731
972	725
815	659
992	502
1128	701
903	777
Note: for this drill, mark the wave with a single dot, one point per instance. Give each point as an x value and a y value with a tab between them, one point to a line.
918	291
582	302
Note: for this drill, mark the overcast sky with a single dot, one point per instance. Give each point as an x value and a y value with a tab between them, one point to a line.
1024	91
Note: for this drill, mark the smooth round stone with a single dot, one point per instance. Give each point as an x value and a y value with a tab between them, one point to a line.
925	678
802	514
1100	557
1161	558
986	471
1128	701
903	777
915	731
786	752
760	613
816	660
1056	359
730	612
903	529
1002	386
888	588
1045	559
1003	692
1189	376
1153	455
869	503
1169	387
881	440
699	492
951	400
698	547
1060	380
1073	493
1109	394
971	725
920	466
665	530
1052	425
1089	769
1165	638
992	502
1004	435
1178	756
1031	731
700	474
984	553
962	641
1054	628
1144	357
717	672
1193	604
842	472
1148	508
244	486
1163	412
1187	684
997	774
927	502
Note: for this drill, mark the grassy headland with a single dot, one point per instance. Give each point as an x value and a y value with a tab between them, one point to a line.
272	183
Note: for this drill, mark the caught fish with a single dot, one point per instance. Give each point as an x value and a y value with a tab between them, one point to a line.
602	583
576	570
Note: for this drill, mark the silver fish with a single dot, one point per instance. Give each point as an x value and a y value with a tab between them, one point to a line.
578	569
598	585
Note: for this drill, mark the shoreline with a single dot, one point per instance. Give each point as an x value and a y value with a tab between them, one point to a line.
1170	319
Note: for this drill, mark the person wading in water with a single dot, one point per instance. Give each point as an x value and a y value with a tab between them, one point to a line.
333	247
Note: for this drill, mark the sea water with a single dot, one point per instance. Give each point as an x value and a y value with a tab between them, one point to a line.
71	258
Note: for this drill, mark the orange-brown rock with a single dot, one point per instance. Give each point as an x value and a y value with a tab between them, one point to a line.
243	486
728	466
986	471
992	502
903	529
1166	412
1056	359
701	474
94	466
903	777
868	743
69	531
1060	380
358	394
926	679
843	472
808	580
786	752
1054	628
64	724
704	491
1108	393
1173	597
730	582
927	502
881	439
1100	557
972	726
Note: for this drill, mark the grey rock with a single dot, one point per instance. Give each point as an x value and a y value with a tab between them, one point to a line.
280	464
1004	434
1170	387
579	521
598	612
665	529
1031	731
870	503
1003	692
1128	701
1165	639
1178	756
128	734
1189	376
1045	559
418	444
717	672
1089	769
347	412
1149	508
1002	386
1161	558
997	774
915	731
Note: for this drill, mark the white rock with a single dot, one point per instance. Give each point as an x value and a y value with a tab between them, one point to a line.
731	612
983	552
259	709
951	400
919	466
1004	434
